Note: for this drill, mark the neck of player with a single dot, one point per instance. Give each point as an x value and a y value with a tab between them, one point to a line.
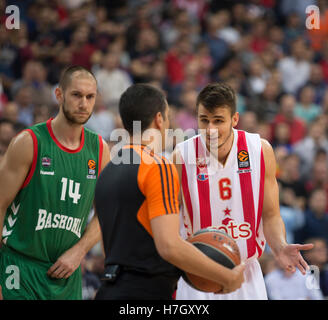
223	150
68	134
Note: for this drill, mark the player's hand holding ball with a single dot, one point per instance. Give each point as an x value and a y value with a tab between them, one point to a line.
223	249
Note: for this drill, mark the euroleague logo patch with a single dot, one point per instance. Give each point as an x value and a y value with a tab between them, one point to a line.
46	162
243	159
91	169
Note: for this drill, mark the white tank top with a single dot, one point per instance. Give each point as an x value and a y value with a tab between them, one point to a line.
228	197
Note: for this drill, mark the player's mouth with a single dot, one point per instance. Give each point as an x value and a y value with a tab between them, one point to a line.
212	139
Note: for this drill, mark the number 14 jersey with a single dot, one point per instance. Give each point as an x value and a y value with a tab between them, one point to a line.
50	212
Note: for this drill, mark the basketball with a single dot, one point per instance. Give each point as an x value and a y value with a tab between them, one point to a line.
218	246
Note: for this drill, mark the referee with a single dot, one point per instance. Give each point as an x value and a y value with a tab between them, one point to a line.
136	200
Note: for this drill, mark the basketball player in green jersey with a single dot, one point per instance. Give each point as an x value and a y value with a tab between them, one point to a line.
47	183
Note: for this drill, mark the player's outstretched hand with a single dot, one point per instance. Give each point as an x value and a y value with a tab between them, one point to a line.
1	297
235	279
290	257
66	264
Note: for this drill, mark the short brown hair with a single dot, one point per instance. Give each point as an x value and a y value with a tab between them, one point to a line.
217	94
66	75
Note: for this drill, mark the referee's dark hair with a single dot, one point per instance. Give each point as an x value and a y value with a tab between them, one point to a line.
66	76
141	102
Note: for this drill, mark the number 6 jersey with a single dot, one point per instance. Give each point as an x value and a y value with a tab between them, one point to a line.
228	197
50	212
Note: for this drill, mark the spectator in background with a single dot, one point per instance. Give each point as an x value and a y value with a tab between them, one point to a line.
177	59
265	105
11	112
318	257
35	77
80	46
8	55
248	122
112	81
317	82
305	108
316	217
227	32
235	83
61	61
293	29
195	9
144	54
259	34
219	48
318	175
23	98
290	178
281	137
158	75
186	117
7	132
298	7
324	60
180	25
291	212
295	69
257	78
287	115
307	148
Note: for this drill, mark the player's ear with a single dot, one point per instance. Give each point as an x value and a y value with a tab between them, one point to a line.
59	93
235	119
158	120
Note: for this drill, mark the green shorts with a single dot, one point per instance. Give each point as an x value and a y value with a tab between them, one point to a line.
23	278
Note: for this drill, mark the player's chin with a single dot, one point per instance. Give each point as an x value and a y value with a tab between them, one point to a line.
82	119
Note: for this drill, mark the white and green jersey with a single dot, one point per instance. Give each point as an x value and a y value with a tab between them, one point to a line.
49	214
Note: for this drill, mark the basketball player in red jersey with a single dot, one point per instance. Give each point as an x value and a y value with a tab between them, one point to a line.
228	181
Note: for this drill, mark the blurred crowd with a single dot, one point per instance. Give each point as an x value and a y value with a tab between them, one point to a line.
262	48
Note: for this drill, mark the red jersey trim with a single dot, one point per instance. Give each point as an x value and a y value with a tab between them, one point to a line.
261	197
247	196
35	157
203	188
186	194
101	148
59	144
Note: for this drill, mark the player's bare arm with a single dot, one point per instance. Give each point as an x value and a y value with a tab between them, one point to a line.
14	169
288	255
185	256
70	260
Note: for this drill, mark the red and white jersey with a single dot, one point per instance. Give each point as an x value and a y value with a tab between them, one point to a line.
228	197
